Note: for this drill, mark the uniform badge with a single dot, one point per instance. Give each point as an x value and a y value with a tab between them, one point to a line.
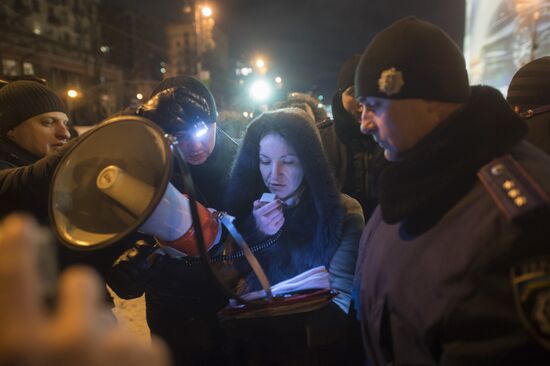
531	282
390	81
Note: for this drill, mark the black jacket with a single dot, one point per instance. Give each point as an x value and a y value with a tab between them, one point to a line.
437	274
356	159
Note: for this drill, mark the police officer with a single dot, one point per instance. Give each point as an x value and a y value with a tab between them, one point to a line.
453	264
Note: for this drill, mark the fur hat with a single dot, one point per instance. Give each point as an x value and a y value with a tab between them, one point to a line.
23	99
413	59
530	86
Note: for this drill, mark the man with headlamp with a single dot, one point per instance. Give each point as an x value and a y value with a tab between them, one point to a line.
182	299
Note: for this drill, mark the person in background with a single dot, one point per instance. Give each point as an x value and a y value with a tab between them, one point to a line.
529	96
306	103
356	159
33	123
80	331
453	264
182	298
309	224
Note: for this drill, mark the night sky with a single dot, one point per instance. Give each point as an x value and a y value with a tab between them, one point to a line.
306	41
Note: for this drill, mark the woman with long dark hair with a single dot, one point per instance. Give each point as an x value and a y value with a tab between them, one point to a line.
311	222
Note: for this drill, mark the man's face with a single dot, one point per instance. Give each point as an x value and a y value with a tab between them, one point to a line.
396	125
350	103
196	150
43	134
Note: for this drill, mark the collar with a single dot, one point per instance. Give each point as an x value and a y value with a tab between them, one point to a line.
432	176
15	154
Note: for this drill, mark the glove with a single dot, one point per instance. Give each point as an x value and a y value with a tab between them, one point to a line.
175	109
131	271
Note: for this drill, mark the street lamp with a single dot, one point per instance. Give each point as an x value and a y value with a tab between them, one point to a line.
206	11
71	93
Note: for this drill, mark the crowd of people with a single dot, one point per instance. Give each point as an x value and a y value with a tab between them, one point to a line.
426	200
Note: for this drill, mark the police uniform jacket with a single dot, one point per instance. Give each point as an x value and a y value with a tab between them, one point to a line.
453	265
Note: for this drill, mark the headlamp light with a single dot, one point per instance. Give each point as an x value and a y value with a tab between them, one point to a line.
199	129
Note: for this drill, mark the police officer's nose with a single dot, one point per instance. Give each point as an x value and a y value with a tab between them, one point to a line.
367	126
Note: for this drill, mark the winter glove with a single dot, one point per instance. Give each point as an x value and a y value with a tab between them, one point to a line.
130	273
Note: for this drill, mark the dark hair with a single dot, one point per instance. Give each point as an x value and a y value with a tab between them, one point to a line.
246	183
298	100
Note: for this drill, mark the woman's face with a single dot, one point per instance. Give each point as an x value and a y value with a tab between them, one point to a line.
280	167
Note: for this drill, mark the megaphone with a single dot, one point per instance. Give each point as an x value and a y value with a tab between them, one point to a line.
116	181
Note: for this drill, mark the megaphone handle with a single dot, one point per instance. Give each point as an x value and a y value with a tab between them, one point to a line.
227	220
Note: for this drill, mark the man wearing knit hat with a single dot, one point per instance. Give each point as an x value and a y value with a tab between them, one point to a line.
453	265
529	96
33	123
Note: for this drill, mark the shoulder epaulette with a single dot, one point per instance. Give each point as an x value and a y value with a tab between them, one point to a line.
514	191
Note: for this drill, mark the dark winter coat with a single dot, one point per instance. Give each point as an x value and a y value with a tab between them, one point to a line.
182	298
25	187
539	131
322	229
356	159
437	270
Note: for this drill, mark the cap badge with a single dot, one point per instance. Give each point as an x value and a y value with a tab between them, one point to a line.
391	81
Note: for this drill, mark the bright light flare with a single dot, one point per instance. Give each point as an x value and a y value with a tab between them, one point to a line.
206	11
71	93
260	90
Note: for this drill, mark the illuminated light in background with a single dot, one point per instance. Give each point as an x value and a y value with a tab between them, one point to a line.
206	11
71	93
163	70
260	63
245	71
245	114
278	79
321	98
139	96
260	90
37	31
320	105
104	49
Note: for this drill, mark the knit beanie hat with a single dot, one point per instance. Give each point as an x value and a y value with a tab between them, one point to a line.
347	72
530	86
23	99
412	59
195	86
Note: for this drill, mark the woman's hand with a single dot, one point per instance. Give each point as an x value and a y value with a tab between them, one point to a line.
268	216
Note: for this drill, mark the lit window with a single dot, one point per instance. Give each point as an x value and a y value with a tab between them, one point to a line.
28	68
10	67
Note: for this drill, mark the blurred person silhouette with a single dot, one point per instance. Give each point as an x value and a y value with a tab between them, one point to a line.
34	123
356	159
529	96
306	103
80	331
